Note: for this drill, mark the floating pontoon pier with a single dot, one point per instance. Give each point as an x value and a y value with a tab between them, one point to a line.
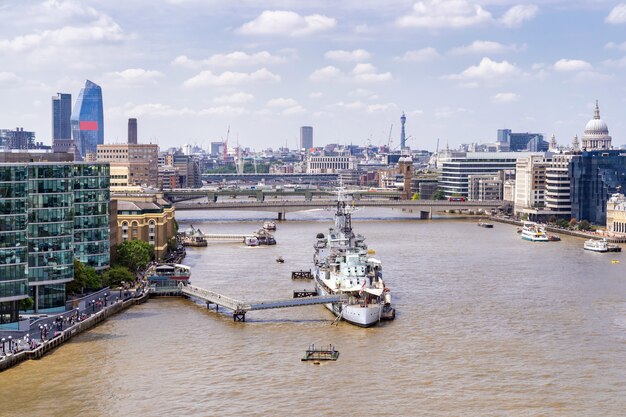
324	353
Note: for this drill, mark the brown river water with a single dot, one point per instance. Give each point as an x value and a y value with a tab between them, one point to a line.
487	325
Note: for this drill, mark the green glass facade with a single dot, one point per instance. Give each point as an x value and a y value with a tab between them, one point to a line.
13	239
91	220
50	232
50	213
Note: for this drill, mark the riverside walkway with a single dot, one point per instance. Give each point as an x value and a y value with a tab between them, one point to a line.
240	308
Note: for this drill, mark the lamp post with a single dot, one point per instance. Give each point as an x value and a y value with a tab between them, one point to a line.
3	350
106	296
10	343
93	306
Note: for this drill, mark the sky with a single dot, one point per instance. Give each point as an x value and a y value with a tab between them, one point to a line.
193	71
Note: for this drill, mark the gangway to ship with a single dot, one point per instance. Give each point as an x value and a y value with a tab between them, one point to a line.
240	307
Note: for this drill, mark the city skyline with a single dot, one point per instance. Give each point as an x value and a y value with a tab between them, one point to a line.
188	69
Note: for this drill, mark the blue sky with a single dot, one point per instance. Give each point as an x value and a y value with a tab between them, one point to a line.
188	69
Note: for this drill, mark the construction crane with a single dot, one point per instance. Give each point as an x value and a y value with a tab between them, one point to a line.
389	140
226	144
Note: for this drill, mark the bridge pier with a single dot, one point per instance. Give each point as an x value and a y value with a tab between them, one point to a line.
426	215
239	316
282	215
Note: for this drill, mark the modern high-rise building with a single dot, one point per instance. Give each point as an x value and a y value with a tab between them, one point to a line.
51	212
306	137
132	131
18	139
521	142
61	114
87	119
594	176
456	167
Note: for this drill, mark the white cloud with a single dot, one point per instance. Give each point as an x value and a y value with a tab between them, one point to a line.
327	73
482	48
505	98
445	14
158	110
419	55
294	110
235	98
362	72
438	14
368	73
207	78
613	45
352	105
363	93
134	76
223	111
571	65
232	59
447	112
9	78
617	15
516	15
348	56
380	107
281	22
316	94
487	70
104	29
282	102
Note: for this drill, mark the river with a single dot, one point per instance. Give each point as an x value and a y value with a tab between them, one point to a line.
487	324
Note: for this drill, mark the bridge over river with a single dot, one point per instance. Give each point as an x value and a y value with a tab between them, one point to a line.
240	307
423	208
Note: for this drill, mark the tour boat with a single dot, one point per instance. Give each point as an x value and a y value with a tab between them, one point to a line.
251	241
269	225
534	232
342	266
601	245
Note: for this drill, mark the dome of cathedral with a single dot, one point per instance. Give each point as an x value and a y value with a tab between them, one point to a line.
596	126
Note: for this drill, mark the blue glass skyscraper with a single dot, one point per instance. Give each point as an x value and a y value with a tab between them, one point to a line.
88	119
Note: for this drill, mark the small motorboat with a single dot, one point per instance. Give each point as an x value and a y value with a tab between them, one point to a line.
485	225
269	225
280	260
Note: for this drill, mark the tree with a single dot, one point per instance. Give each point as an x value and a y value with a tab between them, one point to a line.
416	196
26	304
85	277
439	195
134	254
572	222
116	275
562	223
552	219
584	225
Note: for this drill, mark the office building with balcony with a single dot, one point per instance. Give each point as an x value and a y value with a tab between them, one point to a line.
131	164
50	213
456	167
13	240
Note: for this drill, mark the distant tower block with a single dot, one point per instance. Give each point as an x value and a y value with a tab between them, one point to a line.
402	134
306	137
132	131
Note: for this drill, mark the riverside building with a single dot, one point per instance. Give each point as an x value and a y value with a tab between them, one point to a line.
456	167
50	213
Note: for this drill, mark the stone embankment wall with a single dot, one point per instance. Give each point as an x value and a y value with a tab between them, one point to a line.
586	235
67	334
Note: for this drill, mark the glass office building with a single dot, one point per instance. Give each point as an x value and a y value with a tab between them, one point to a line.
50	213
594	176
87	119
50	233
13	240
91	216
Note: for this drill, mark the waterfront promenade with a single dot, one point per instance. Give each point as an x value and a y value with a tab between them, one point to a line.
47	333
